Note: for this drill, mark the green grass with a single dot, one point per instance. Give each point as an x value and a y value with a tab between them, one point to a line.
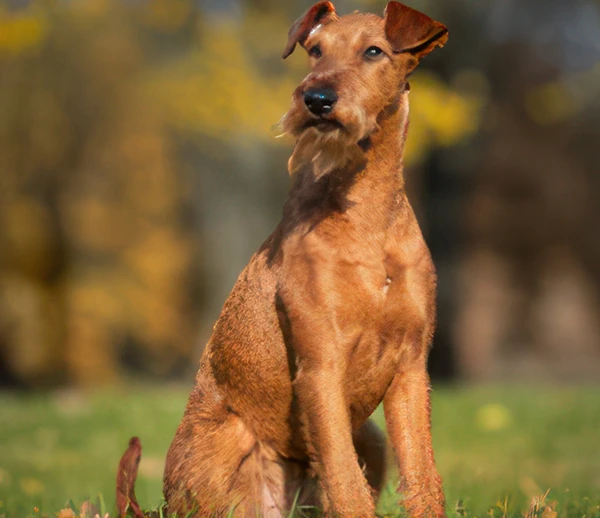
496	448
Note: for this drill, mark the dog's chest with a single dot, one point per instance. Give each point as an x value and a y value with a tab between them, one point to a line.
377	345
362	294
383	300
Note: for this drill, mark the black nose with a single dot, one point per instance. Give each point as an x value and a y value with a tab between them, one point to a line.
320	100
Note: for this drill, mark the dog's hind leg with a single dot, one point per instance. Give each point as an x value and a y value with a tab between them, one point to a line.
211	450
216	466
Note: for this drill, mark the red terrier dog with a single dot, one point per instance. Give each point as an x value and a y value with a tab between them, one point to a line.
335	313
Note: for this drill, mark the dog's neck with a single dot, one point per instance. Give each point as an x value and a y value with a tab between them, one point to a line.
384	149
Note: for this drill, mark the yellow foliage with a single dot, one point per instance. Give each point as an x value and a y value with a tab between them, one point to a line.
558	101
20	32
149	185
264	34
28	238
92	9
550	104
31	317
97	224
219	92
167	15
439	115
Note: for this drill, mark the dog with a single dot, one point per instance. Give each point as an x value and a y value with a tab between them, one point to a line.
335	312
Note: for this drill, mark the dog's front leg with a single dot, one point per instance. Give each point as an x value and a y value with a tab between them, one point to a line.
408	417
318	371
327	433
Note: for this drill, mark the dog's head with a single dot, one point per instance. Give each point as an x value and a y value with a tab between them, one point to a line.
359	68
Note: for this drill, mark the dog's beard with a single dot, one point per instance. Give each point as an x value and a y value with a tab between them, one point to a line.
325	144
323	152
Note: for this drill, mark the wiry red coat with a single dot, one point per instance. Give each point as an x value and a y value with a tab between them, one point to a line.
334	314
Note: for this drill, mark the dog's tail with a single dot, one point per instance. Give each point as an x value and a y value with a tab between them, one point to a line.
128	468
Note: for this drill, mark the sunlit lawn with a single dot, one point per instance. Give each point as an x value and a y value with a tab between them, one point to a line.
496	448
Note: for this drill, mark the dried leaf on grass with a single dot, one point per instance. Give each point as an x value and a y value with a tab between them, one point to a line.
89	510
540	508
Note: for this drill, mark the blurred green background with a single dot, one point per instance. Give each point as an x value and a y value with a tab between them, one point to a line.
139	172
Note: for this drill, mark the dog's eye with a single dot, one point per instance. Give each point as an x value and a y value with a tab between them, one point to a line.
315	52
373	52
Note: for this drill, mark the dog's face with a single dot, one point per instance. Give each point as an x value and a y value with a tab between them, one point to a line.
359	68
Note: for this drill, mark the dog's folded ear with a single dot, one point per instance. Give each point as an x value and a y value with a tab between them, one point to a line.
320	13
411	31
